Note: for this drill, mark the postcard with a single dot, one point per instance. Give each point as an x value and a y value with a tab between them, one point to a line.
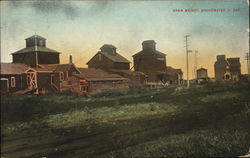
125	78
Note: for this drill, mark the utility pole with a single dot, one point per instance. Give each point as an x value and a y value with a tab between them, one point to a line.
187	51
248	65
196	65
36	55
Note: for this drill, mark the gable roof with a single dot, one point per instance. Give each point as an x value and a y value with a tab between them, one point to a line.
93	74
58	67
33	49
115	58
13	68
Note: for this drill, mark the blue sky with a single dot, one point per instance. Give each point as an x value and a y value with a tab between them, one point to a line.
80	28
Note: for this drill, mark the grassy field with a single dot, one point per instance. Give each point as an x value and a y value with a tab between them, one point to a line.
209	120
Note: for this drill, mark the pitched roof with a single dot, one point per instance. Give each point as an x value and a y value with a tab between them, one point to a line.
33	49
115	58
35	36
108	46
13	68
93	74
58	67
149	53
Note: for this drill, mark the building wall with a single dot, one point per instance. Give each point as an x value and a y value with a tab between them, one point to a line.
48	58
20	82
44	81
101	86
201	74
220	68
121	66
30	58
150	65
99	61
26	58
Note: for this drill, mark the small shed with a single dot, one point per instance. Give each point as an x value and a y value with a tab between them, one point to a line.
201	73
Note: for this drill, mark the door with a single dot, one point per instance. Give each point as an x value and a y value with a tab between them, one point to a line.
32	80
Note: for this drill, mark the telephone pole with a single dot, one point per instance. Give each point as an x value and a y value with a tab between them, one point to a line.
196	65
248	65
187	51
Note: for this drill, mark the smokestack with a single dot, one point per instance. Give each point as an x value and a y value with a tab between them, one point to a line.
70	59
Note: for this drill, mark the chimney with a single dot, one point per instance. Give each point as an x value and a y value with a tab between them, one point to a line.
148	45
70	59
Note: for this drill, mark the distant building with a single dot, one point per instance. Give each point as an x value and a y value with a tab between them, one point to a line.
174	76
108	58
36	53
220	67
227	69
151	62
201	73
234	68
99	80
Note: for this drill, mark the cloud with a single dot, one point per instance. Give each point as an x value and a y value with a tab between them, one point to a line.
65	8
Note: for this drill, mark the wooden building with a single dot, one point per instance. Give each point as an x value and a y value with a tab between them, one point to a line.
220	67
227	69
136	78
108	58
99	80
13	77
173	76
36	53
150	61
234	68
201	73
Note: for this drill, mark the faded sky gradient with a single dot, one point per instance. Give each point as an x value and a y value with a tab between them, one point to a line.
80	28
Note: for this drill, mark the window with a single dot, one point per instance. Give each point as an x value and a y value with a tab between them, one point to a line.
12	82
61	76
41	42
100	57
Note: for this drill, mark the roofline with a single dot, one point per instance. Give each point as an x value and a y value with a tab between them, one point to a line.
138	53
92	57
35	35
37	71
33	51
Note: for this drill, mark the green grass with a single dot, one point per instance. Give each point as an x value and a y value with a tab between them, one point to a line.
204	121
